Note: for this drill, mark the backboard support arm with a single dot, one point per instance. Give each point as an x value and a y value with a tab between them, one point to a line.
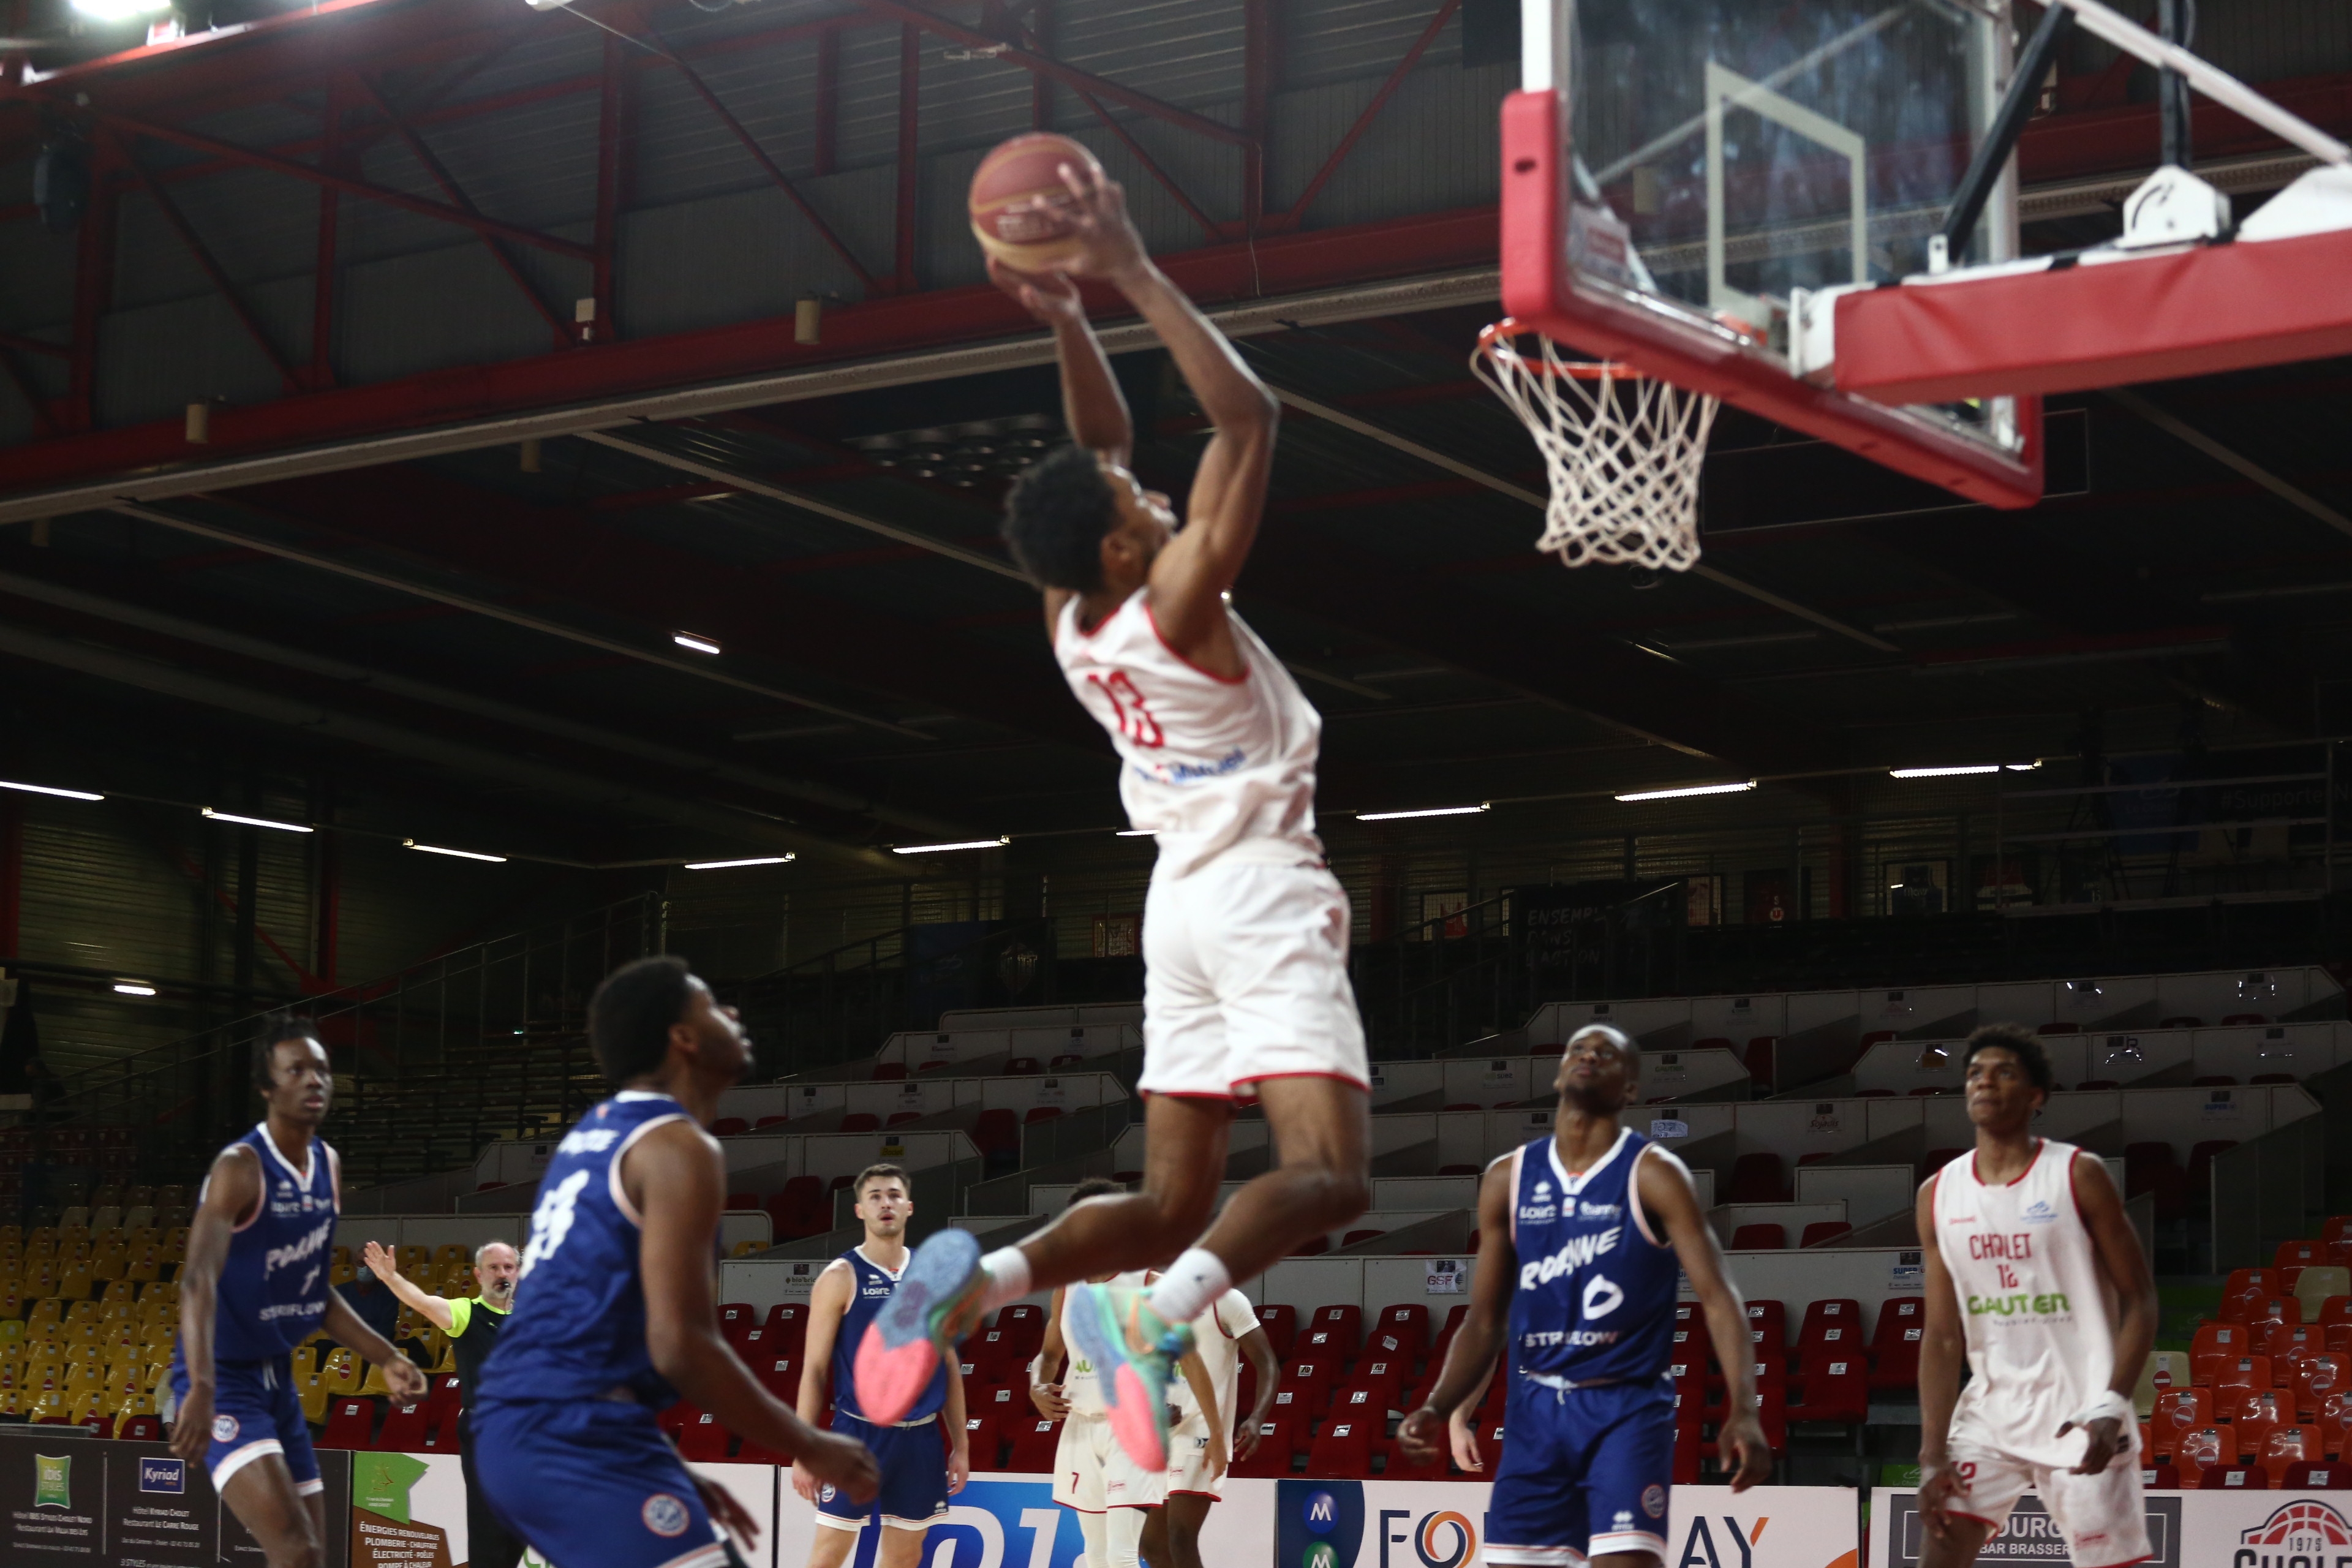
1992	152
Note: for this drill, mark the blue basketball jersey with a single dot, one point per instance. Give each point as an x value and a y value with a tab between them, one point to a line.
578	1328
872	1288
1595	1300
273	1284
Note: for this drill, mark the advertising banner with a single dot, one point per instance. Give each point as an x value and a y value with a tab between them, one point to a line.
2185	1530
1442	1524
163	1508
408	1510
69	1498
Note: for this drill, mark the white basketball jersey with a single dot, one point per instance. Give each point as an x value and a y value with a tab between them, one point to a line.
1080	1383
1210	766
1217	1336
2033	1304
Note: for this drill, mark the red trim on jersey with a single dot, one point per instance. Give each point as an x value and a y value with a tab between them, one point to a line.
1188	1491
1188	1094
1197	670
2039	1144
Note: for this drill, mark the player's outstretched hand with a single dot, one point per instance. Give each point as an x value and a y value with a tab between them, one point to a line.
191	1429
1417	1436
832	1461
728	1513
1940	1486
2106	1442
1049	1400
408	1385
1112	248
381	1261
1050	297
1743	1440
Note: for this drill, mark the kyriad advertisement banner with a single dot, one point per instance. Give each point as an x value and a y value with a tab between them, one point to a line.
69	1498
2185	1530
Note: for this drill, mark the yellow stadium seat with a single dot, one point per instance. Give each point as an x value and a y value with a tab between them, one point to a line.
74	1282
83	1311
12	1332
453	1254
312	1391
75	1219
158	1291
48	1310
139	1218
11	1402
42	1233
175	1243
340	1274
145	1265
110	1267
414	1255
89	1401
136	1405
446	1360
373	1385
44	1403
111	1233
121	1293
342	1371
303	1360
9	1233
13	1303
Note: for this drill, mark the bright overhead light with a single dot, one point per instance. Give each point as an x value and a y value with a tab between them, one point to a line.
1955	771
2023	767
700	645
1135	833
119	10
133	988
255	821
1689	790
726	865
943	848
459	854
50	789
1427	811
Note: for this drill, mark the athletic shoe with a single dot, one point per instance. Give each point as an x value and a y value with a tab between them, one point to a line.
1134	1352
909	1336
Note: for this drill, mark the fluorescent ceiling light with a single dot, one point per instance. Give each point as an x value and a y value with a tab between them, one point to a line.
2023	767
119	10
1955	771
134	988
50	789
942	849
1689	790
726	865
700	645
1135	833
460	854
255	821
1430	811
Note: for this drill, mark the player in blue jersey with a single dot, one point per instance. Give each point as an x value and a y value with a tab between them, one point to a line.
614	1319
925	1455
253	1287
1581	1235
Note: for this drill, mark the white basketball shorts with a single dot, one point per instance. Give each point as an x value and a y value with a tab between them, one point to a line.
1245	978
2104	1517
1092	1472
1188	1459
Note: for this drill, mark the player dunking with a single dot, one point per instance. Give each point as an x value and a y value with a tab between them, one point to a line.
612	1317
255	1285
2025	1237
1245	933
1580	1237
919	1471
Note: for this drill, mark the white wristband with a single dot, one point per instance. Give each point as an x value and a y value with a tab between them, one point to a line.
2106	1405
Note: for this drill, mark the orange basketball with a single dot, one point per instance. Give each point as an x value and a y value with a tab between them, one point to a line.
1020	207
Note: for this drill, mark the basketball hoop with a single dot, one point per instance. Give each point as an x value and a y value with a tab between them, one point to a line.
1622	450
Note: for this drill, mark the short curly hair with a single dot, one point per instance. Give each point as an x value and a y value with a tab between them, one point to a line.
1055	518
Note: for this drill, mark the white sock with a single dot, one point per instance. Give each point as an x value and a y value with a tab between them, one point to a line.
1094	1532
1192	1282
1008	1277
1125	1533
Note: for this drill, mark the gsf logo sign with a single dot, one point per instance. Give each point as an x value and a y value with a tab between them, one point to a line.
1441	1539
1699	1549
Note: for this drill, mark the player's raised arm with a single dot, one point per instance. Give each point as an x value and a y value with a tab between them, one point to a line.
2109	1421
1470	1359
675	1177
385	1265
1093	406
1670	1204
1941	1352
234	1187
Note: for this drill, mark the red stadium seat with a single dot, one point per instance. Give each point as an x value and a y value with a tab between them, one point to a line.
997	1131
1313	1246
1344	1324
1023	1325
1820	1233
2246	1371
1277	1443
887	1071
1833	1321
740	1201
2214	1344
1894	1343
143	1429
704	1440
449	1431
1041	1113
983	1439
2314	1378
861	1122
1835	1388
728	1126
1344	1451
2203	1447
1757	1179
780	1375
1760	1238
1757	1058
406	1431
350	1424
734	1317
2253	1414
2234	1479
900	1117
2286	1447
1408	1321
1034	1441
765	1122
787	1325
2316	1478
1066	1061
447	1392
1280	1322
2298	1255
675	1420
2179	1410
2159	1478
1401	1468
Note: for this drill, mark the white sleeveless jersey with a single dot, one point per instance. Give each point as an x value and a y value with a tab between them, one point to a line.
1081	1385
2034	1305
1209	766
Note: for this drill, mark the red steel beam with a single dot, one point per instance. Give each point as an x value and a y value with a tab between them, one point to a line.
558	329
1045	65
287	166
1167	182
24	345
897	324
1297	212
286	374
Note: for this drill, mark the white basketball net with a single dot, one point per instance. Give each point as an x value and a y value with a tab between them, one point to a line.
1622	449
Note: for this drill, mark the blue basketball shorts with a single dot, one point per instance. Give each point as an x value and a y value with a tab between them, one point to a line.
1585	1472
256	1413
914	1462
591	1483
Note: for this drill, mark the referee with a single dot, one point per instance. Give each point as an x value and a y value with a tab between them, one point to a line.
473	1327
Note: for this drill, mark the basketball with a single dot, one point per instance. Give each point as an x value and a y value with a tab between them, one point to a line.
1020	208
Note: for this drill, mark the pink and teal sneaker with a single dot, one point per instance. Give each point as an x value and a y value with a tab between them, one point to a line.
1134	1352
911	1335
